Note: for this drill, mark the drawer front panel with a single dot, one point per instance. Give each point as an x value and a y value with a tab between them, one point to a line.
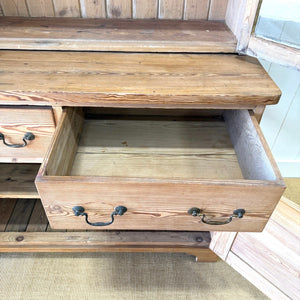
15	123
156	206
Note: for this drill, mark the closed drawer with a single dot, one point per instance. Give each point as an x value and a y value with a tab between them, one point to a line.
15	123
159	168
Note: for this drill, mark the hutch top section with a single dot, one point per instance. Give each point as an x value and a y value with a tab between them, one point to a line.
126	53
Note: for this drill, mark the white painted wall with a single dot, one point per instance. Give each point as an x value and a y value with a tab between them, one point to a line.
279	20
281	123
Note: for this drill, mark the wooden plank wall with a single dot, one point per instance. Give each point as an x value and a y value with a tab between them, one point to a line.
132	9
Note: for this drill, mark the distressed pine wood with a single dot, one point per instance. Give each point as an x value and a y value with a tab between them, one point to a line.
115	35
254	155
270	259
240	18
167	9
14	8
255	278
258	112
17	180
38	221
119	9
63	149
93	8
41	8
171	9
196	10
283	262
154	203
145	9
142	165
195	243
57	113
15	122
6	208
66	8
19	218
221	243
120	241
217	10
157	148
138	80
281	54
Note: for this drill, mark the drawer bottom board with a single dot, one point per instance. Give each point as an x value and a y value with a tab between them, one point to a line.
24	228
163	148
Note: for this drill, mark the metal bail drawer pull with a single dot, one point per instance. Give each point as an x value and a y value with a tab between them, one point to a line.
197	212
119	211
28	136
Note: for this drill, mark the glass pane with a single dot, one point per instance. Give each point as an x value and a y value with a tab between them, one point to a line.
279	21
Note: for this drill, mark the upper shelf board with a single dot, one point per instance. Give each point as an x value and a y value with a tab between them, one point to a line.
134	80
74	34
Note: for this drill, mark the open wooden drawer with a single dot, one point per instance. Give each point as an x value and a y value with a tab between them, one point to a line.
159	168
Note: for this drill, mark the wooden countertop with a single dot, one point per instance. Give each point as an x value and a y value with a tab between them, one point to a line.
134	80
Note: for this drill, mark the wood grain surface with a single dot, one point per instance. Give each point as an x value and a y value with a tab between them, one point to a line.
15	122
39	237
66	8
119	9
38	221
93	8
41	8
217	10
171	9
196	10
155	205
19	218
157	148
121	241
275	253
14	8
134	80
145	9
17	180
115	35
6	208
166	9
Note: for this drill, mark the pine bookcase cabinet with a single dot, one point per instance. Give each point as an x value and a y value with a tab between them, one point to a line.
145	126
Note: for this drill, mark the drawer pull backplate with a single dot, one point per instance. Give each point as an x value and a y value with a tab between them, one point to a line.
197	212
119	211
28	136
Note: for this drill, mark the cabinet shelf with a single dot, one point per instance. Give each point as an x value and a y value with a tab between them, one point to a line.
17	180
76	34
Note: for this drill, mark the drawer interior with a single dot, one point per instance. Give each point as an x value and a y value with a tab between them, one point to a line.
223	145
160	147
